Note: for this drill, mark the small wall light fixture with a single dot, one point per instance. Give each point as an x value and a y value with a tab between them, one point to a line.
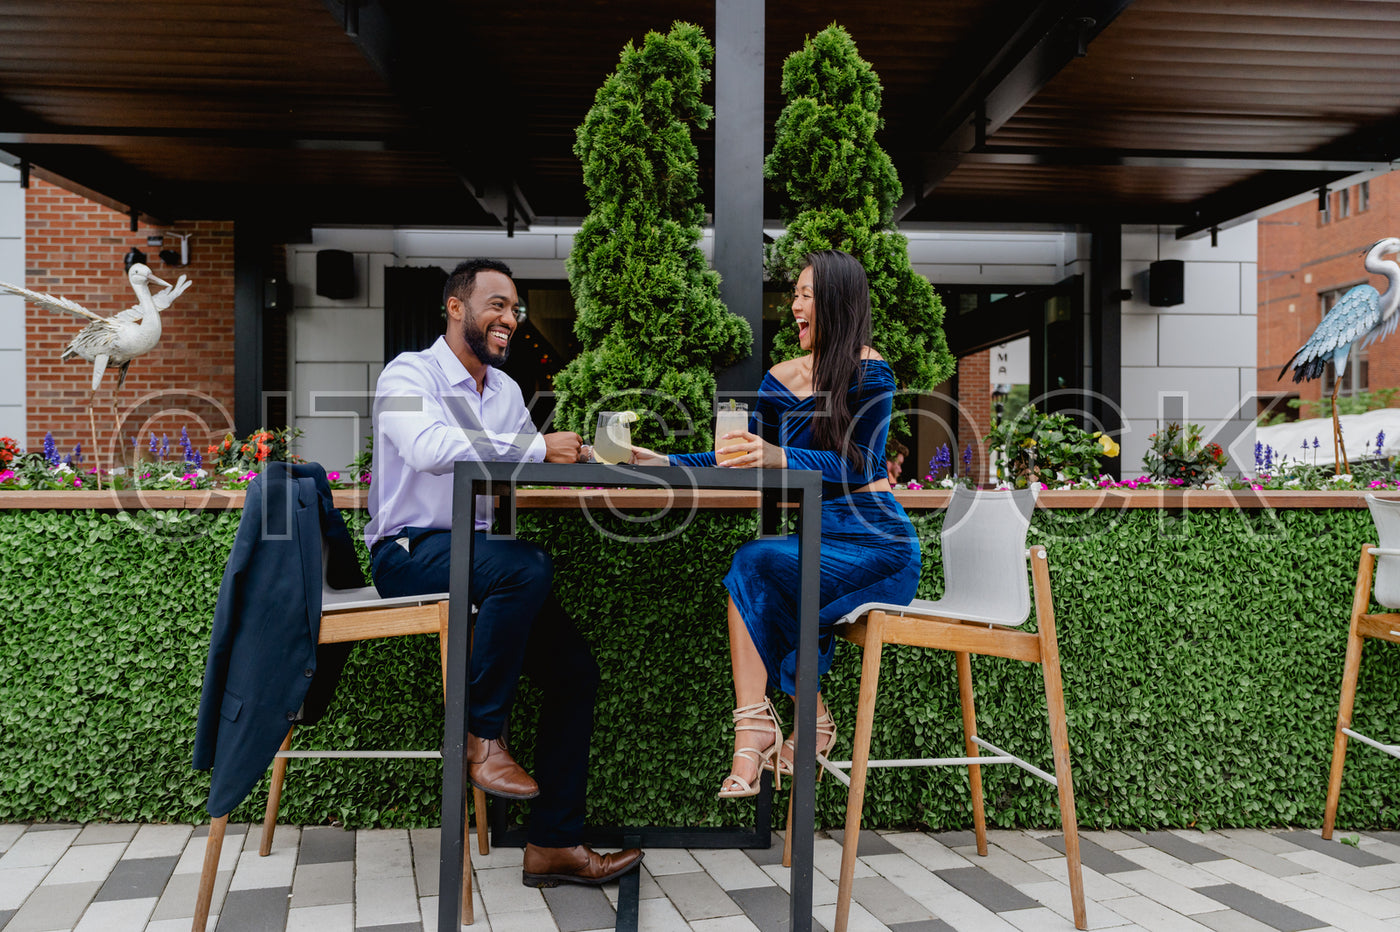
171	257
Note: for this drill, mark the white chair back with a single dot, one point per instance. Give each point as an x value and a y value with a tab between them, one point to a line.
984	555
1386	515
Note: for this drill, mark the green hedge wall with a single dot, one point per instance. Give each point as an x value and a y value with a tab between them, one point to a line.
1202	655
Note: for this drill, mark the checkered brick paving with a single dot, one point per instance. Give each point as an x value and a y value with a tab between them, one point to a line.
142	878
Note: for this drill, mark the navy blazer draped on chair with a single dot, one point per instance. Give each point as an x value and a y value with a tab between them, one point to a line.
264	671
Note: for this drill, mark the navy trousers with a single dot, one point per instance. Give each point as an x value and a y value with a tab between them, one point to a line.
520	627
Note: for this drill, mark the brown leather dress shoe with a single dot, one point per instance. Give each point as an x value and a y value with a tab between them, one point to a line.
549	867
490	767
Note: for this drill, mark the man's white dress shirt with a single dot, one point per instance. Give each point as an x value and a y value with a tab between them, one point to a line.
428	414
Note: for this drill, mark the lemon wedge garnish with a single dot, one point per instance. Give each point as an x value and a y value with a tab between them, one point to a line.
627	417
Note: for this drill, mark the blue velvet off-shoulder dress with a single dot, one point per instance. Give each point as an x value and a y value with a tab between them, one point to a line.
869	551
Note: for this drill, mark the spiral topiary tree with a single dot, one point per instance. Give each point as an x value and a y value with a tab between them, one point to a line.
837	190
650	320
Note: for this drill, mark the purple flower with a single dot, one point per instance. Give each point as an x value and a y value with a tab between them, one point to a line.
155	445
186	445
967	458
50	450
197	459
1258	455
164	447
1380	442
1316	444
77	453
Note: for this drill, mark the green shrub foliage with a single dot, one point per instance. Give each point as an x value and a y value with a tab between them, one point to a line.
837	190
650	320
1202	655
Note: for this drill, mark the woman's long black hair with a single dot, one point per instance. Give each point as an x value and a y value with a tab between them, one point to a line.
841	328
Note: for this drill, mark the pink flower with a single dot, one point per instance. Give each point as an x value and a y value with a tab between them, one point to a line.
7	475
333	476
914	486
77	482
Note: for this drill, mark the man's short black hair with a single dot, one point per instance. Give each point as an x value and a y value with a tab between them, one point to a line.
463	278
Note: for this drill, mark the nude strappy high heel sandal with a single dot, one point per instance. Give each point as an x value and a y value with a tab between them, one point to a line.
744	718
826	738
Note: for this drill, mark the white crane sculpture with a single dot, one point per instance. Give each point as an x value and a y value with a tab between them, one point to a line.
1362	313
115	340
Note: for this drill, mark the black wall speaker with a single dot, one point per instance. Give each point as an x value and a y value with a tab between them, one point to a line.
1166	283
335	274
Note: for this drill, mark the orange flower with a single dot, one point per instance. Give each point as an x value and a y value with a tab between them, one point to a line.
263	451
245	448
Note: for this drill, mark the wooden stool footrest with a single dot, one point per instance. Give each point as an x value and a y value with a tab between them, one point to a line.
1392	749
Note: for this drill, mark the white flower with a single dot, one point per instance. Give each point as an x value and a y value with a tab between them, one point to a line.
946	482
63	467
1292	483
1344	477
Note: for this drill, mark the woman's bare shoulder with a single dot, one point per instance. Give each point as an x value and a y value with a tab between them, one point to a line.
785	370
870	352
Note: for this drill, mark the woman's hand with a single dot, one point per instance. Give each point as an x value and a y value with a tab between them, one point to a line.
641	456
753	451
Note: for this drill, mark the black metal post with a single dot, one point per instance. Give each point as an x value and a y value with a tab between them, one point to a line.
1106	332
739	174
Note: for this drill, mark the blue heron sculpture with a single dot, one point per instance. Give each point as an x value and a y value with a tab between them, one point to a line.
1362	313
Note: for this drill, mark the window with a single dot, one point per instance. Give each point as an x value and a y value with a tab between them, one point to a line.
1357	376
1363	196
1344	203
1324	216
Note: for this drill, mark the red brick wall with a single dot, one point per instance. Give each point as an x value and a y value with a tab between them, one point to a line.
1300	258
74	249
974	409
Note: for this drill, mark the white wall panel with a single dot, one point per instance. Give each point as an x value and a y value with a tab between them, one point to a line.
1211	393
1206	340
1139	340
339	334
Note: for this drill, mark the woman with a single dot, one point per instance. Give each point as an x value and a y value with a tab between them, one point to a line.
827	410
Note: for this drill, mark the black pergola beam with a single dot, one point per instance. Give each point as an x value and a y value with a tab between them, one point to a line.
409	46
207	138
1168	158
123	189
1013	71
1376	148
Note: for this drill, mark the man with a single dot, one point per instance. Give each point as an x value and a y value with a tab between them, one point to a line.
894	460
431	409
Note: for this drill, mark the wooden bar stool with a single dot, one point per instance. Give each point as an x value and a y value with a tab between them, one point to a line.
352	615
1381	626
985	600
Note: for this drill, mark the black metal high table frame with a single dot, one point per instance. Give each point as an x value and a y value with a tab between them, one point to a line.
798	489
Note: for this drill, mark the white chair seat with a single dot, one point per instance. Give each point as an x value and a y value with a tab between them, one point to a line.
345	600
942	608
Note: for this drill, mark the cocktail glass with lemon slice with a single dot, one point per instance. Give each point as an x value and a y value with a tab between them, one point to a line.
729	417
612	442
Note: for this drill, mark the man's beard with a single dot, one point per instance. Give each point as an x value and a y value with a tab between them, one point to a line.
476	342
